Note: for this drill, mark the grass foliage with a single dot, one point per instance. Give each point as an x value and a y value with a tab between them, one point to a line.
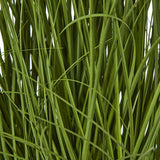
82	86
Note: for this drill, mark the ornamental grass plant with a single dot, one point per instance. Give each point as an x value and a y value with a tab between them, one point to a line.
80	80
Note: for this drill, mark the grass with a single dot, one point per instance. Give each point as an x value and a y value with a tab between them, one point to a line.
80	80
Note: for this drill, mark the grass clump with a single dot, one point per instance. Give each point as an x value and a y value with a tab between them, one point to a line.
79	80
